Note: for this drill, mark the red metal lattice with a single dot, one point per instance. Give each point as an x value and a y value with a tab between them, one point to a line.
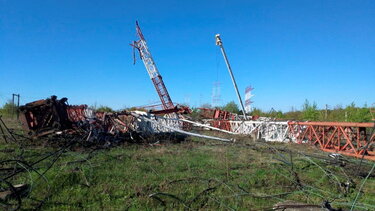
347	138
162	92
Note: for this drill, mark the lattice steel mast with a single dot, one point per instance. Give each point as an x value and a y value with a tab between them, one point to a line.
248	97
152	70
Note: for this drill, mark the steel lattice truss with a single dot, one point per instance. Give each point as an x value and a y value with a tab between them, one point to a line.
349	138
267	130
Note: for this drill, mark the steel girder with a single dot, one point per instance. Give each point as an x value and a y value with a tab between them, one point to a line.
349	138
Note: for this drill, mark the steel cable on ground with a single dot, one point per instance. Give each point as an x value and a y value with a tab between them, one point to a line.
365	148
360	188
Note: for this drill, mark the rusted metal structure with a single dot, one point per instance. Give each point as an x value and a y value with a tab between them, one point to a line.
78	113
348	138
158	109
225	120
45	116
220	119
217	114
222	124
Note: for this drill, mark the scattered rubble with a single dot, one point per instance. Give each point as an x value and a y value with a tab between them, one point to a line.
44	117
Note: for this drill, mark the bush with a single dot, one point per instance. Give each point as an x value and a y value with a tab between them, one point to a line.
104	109
232	107
257	112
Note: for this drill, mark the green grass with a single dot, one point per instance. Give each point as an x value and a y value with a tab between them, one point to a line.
195	174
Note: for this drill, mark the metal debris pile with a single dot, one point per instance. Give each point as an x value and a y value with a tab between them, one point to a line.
54	116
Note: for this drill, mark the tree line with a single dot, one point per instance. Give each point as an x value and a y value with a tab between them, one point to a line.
309	112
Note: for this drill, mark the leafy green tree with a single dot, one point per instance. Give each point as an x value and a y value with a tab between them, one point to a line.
355	114
232	107
279	115
293	115
310	111
350	112
104	109
363	115
275	114
337	114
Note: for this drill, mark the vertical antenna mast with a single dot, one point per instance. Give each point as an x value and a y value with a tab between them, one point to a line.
216	94
248	97
153	72
219	43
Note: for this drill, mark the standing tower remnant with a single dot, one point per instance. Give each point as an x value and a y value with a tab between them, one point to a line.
220	43
152	70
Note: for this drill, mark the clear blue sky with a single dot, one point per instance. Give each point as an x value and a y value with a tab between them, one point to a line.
289	51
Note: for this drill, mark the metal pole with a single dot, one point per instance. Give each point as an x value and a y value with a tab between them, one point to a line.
326	114
219	43
18	106
13	104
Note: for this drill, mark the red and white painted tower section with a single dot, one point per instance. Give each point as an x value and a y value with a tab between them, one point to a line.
248	97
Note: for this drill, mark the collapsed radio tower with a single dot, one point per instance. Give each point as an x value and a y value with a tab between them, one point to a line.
152	70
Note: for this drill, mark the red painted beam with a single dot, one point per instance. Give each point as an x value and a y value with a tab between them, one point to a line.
338	124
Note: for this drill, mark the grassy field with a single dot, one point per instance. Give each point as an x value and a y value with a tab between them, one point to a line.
192	174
